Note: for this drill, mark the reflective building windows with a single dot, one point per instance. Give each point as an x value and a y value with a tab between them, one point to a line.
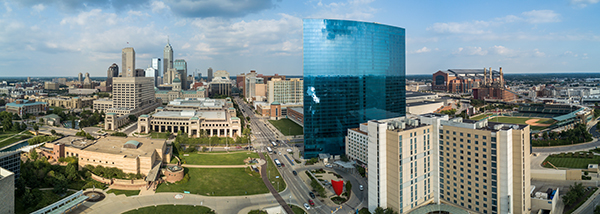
353	72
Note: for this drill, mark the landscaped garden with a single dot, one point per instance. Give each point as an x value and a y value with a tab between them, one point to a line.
179	209
297	210
160	135
274	175
578	160
233	158
287	127
124	192
578	134
218	182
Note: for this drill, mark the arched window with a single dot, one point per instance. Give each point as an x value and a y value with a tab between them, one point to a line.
439	80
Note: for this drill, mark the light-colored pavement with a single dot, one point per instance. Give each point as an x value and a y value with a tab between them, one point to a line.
120	203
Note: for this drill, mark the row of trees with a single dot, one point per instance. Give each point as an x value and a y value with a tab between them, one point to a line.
90	119
112	172
574	194
578	134
7	122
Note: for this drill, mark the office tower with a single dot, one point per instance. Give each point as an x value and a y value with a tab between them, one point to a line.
152	72
139	73
113	71
181	67
11	162
221	84
28	79
353	72
209	75
167	58
7	191
429	161
133	92
156	65
128	62
250	85
80	77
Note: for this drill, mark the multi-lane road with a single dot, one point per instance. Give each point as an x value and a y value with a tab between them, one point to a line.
263	136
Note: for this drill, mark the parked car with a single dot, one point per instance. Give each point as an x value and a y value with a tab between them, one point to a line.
311	202
328	165
306	206
361	187
312	195
295	173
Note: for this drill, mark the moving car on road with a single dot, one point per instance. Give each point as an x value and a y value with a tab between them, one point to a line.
306	206
295	173
312	195
311	202
361	187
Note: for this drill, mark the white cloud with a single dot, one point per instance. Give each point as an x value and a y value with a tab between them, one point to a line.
91	18
471	51
475	27
214	36
137	13
583	3
422	50
499	51
159	6
349	9
479	27
541	16
38	8
218	8
7	7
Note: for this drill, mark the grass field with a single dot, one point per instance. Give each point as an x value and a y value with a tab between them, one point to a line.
234	158
287	127
521	120
126	192
179	209
571	162
219	182
12	140
272	172
4	135
297	210
480	116
159	135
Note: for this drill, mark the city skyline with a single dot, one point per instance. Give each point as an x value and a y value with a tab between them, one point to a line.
64	38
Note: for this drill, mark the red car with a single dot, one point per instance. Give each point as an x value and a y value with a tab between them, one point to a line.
310	201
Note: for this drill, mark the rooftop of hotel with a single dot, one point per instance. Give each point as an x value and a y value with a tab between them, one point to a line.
220	114
114	145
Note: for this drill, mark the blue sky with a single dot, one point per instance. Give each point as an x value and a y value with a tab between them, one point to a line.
65	37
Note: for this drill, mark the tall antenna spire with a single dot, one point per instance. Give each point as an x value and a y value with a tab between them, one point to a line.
168	42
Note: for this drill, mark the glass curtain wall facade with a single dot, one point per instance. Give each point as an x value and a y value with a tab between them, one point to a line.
353	72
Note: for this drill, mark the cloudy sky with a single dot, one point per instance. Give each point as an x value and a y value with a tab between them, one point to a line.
65	37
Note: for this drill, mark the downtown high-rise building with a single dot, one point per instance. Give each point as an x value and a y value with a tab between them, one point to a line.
209	74
167	58
154	71
113	71
353	72
80	77
128	62
181	66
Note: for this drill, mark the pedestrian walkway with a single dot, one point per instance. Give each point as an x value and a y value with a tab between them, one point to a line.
263	173
214	166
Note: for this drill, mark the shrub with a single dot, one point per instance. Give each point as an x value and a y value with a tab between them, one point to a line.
119	134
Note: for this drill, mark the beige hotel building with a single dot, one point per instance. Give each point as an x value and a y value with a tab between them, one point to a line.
431	162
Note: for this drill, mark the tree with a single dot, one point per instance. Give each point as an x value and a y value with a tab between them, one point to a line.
597	209
33	154
348	188
132	118
379	210
36	127
53	132
71	172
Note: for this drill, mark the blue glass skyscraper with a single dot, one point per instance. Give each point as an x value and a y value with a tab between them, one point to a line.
353	72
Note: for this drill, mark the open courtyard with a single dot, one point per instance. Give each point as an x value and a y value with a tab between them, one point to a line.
219	182
232	158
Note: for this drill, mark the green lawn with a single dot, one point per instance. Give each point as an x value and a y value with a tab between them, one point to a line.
297	210
481	116
44	198
234	158
571	162
272	172
521	120
219	182
160	135
4	135
179	209
11	140
287	127
126	192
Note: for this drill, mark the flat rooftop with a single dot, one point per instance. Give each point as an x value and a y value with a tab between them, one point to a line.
213	115
114	145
